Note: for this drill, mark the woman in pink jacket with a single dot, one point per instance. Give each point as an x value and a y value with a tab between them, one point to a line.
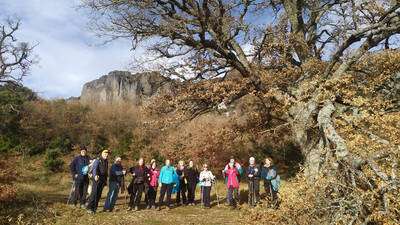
232	183
153	184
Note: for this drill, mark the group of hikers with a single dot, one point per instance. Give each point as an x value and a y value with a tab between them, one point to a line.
181	180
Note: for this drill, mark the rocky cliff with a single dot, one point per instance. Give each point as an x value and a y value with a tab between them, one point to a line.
124	86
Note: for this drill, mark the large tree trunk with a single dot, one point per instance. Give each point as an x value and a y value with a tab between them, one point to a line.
316	135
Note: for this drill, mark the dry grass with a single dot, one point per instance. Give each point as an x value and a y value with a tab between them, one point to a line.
42	199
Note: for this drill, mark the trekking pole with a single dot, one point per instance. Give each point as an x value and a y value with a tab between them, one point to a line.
270	191
126	193
201	196
71	192
254	194
216	192
126	196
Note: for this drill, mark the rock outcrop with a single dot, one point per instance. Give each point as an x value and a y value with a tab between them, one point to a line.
123	86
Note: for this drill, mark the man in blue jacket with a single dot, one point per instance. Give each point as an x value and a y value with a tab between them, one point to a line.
115	183
81	179
166	181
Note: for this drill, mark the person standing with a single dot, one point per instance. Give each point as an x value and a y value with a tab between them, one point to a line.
206	180
166	181
253	178
182	188
192	178
99	180
115	182
80	177
153	184
271	181
239	170
232	184
140	175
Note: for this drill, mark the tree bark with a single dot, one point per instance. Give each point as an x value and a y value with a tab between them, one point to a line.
316	135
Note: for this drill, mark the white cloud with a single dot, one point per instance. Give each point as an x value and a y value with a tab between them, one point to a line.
69	54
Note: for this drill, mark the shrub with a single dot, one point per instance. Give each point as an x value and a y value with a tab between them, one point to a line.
5	144
52	162
63	143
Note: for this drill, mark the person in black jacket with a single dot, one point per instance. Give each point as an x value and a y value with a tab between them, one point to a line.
253	177
192	178
80	178
99	180
180	170
141	176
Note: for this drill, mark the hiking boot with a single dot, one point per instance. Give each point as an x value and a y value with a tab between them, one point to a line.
136	208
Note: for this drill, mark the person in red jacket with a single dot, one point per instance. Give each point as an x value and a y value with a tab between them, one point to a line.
153	184
232	183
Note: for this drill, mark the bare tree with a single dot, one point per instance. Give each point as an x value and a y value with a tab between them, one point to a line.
209	35
15	56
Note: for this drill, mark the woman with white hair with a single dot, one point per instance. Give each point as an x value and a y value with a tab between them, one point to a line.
206	180
253	178
115	183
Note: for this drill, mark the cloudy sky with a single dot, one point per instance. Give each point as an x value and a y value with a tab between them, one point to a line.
69	54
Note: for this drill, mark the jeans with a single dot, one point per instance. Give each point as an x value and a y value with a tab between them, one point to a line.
112	196
233	196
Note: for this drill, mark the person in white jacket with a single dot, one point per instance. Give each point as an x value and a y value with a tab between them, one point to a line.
206	180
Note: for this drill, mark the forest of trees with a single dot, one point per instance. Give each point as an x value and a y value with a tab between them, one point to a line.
320	80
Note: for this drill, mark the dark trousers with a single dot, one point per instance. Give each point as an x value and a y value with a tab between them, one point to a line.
271	194
97	189
136	195
254	191
181	192
191	187
80	191
165	188
206	196
233	196
151	196
146	192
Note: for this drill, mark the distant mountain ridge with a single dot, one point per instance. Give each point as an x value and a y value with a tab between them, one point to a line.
123	86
